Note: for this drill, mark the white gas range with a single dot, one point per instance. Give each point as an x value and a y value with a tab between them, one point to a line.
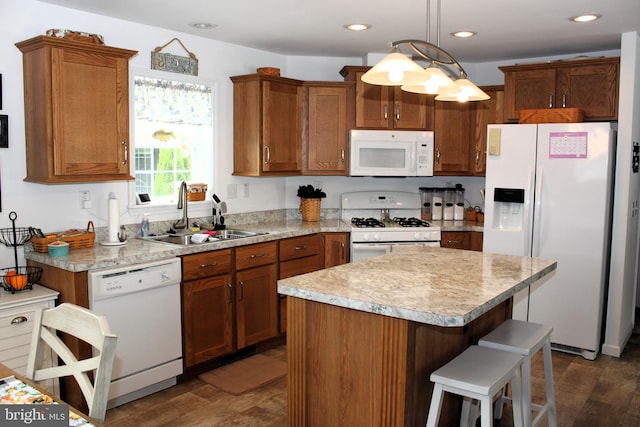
384	221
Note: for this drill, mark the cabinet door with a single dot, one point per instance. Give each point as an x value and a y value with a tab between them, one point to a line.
592	88
256	305
528	89
476	241
411	110
281	127
207	318
373	105
484	113
91	113
336	249
329	117
452	135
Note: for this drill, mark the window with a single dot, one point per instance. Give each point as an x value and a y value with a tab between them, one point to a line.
173	136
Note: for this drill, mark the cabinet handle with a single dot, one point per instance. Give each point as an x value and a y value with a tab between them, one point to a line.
477	157
455	241
564	100
241	290
252	256
397	112
267	155
18	320
342	155
550	100
437	156
229	297
301	248
213	264
342	253
125	147
386	112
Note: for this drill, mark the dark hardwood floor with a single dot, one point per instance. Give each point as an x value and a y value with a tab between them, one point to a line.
604	392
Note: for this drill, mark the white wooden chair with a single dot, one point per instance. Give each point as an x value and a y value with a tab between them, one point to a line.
87	326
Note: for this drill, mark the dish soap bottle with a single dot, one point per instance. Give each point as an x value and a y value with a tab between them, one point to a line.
144	226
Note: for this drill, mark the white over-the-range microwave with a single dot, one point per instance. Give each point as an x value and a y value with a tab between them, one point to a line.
390	153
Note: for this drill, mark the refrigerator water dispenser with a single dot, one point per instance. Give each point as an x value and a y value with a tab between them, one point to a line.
509	208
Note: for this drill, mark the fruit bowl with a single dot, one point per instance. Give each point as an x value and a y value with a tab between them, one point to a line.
19	278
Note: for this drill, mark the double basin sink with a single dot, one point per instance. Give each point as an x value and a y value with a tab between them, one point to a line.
185	239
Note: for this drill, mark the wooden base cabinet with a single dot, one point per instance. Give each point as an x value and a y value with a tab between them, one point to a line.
76	98
468	240
336	249
228	305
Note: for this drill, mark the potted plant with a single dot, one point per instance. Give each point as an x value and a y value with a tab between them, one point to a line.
310	202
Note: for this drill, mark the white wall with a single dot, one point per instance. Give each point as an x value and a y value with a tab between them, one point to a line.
624	251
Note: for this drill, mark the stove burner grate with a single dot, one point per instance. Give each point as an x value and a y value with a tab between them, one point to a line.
366	222
410	222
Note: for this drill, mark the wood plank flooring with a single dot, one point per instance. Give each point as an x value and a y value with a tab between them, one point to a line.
604	392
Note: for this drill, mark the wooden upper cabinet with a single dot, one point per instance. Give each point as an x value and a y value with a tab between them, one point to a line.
484	113
388	107
452	138
267	129
329	114
76	111
588	84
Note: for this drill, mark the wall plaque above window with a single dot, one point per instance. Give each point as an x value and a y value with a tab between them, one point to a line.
174	63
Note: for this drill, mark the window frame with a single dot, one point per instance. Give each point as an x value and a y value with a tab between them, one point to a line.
196	208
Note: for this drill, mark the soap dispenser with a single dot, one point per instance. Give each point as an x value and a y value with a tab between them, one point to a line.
144	226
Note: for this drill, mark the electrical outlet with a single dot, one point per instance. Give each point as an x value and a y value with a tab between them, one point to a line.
245	188
85	199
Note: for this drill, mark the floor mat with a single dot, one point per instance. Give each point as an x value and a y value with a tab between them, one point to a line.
246	374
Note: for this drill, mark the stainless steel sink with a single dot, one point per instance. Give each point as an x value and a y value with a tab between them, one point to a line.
185	239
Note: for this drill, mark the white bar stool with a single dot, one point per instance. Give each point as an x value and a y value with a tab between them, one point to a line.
526	339
477	373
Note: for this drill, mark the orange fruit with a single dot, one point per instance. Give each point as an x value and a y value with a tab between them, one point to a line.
16	281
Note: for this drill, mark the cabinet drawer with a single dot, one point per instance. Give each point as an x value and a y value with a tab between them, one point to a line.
299	247
456	239
300	266
206	264
255	255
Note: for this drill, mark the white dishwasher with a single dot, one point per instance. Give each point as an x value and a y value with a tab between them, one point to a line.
142	304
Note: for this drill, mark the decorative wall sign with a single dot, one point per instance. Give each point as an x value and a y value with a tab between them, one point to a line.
4	131
174	63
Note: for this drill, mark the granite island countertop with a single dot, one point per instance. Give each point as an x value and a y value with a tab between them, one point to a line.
436	286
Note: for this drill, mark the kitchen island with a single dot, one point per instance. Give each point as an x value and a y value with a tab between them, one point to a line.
363	338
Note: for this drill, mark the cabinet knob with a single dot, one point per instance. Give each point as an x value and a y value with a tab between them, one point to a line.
18	320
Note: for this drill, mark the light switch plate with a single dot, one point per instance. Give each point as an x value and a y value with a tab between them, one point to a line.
493	147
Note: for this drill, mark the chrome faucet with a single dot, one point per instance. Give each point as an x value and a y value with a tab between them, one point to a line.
182	204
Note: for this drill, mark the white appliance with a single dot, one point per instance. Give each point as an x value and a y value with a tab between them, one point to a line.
384	221
391	153
549	194
142	304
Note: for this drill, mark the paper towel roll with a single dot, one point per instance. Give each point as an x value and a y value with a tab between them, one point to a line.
113	218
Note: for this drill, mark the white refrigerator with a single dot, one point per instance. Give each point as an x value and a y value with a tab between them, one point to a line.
549	194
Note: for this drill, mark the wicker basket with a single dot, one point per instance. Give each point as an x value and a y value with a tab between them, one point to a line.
79	240
196	192
552	115
268	71
310	209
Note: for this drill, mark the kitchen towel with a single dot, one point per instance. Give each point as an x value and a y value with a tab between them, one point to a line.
113	218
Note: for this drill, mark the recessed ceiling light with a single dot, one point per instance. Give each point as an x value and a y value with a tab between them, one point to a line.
202	25
585	18
464	34
357	27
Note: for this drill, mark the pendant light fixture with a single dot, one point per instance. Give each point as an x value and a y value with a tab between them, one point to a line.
398	69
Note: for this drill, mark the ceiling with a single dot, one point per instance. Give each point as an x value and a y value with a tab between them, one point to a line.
507	29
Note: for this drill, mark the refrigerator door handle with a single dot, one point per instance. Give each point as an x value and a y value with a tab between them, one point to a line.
535	251
528	225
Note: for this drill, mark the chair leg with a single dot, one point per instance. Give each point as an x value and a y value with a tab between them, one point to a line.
436	405
469	412
516	402
486	411
526	391
548	378
499	404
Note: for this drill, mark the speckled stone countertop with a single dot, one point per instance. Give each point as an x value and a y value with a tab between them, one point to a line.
436	286
138	250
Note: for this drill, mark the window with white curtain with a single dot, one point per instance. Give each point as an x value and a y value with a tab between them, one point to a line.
173	136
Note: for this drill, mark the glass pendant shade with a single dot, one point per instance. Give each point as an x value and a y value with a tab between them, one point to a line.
396	69
467	92
436	83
